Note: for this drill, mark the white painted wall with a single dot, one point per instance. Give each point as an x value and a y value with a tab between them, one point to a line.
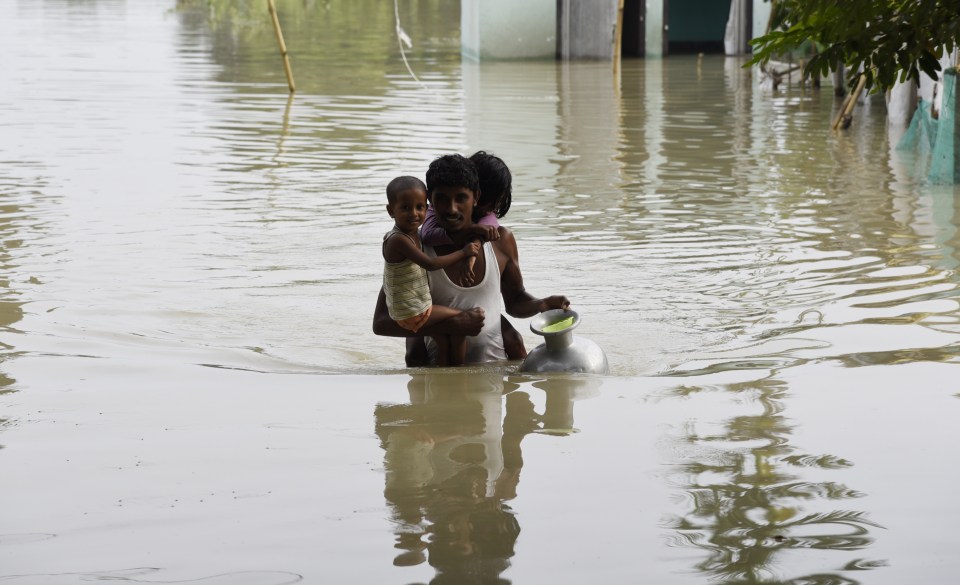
735	40
761	15
508	29
654	29
901	103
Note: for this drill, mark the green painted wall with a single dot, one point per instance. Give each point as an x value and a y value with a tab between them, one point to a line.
698	20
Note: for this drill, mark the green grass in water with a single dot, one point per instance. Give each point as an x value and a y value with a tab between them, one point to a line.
558	326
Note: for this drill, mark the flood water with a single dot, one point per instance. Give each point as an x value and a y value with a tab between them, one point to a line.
191	391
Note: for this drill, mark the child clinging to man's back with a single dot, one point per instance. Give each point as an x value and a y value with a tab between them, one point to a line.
493	202
405	282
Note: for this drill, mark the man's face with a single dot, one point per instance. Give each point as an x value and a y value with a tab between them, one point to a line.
453	207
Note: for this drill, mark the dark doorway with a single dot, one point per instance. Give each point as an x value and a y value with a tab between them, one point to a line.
695	26
633	39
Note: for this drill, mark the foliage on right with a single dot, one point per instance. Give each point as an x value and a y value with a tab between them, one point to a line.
888	40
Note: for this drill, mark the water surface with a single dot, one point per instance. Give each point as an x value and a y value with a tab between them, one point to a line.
192	393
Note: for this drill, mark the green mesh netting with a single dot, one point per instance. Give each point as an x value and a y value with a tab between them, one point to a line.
935	140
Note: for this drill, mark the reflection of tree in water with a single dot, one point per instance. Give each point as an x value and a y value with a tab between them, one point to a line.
14	221
334	46
452	460
747	506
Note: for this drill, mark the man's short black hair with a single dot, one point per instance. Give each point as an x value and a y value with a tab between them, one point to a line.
452	170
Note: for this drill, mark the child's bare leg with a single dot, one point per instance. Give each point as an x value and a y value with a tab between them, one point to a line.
416	355
458	350
451	349
512	340
443	350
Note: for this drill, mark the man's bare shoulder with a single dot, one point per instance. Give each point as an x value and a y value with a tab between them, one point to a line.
505	247
505	234
506	237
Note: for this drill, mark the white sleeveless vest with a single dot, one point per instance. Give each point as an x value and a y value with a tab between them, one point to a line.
488	345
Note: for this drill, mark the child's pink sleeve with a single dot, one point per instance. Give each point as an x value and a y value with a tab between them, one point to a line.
489	219
432	234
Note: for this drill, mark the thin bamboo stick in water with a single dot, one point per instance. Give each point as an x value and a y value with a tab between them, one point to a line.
617	41
846	113
283	46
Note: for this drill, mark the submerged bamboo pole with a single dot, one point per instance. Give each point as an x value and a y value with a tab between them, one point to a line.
845	116
283	46
839	117
618	40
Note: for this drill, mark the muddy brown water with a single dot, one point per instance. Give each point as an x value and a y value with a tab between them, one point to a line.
191	391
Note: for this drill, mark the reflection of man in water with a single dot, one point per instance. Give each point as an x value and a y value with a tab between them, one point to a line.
451	462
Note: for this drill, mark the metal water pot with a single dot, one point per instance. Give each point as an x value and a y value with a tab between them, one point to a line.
560	350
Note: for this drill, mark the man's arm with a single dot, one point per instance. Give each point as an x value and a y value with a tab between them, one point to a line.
518	302
431	233
468	323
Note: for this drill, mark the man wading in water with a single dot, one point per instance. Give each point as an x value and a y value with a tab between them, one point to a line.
452	187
